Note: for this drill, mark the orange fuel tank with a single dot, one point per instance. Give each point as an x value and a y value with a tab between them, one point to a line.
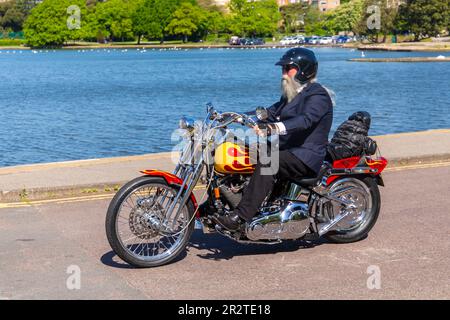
232	158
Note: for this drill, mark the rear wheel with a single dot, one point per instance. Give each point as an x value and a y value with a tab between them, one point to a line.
138	228
364	195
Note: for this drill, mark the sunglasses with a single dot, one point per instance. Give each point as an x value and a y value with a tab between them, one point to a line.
289	67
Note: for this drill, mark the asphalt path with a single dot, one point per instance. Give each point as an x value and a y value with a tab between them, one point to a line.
406	256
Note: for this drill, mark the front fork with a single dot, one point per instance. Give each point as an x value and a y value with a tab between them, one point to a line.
190	177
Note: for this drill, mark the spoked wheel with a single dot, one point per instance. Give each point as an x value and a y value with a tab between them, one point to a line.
138	227
364	196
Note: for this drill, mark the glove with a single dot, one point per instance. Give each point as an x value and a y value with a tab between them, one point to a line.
266	129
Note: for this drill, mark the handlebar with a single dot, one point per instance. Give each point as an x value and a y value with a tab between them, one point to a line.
235	117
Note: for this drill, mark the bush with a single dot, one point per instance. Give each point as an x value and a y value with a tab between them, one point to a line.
11	42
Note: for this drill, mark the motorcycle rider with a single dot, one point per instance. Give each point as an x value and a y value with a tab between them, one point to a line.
302	119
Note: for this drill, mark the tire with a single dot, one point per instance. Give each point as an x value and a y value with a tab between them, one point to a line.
361	231
112	226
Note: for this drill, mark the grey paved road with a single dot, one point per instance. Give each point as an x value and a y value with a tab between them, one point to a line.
409	245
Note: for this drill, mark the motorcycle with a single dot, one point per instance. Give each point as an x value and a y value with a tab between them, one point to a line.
151	218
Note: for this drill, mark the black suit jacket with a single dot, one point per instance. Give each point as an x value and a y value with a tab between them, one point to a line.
307	118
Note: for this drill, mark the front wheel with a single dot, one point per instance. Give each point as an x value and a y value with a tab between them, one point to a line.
138	228
364	194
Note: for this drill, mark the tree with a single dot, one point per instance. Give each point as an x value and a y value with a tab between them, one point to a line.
114	19
140	19
424	18
294	17
378	18
13	19
12	15
25	6
346	17
254	17
47	24
160	15
186	20
315	22
215	23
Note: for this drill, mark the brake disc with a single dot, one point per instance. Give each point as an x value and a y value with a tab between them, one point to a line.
146	224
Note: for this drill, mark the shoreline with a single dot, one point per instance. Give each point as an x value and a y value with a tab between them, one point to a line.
167	46
396	47
25	167
406	59
103	176
403	47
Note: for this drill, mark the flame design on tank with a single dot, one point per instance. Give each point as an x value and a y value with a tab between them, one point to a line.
232	158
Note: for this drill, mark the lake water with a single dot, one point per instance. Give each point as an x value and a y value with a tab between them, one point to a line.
66	105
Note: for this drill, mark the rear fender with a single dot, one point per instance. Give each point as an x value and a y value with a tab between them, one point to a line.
379	180
170	179
378	163
356	162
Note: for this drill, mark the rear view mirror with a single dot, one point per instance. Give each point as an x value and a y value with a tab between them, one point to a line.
262	113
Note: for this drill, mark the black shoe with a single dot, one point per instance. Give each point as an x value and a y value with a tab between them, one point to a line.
231	221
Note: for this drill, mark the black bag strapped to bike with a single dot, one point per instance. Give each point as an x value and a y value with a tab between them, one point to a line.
351	138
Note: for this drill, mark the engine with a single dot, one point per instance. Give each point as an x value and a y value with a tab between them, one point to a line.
284	219
291	221
231	187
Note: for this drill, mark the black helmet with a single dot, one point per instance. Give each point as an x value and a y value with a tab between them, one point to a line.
304	59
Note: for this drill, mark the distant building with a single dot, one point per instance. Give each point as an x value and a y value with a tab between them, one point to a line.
323	5
286	2
395	3
221	2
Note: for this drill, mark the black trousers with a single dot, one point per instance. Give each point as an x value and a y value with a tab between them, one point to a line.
261	184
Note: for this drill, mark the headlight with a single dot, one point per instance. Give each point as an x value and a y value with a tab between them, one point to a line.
186	123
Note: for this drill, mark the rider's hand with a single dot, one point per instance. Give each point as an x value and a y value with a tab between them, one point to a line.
265	129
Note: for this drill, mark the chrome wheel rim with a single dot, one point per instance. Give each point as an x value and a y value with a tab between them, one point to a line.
142	225
360	203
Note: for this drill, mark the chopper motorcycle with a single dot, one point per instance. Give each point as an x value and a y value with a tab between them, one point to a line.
151	218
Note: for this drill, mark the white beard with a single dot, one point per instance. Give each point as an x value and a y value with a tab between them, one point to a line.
290	88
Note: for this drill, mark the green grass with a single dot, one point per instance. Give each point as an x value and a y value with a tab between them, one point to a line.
11	42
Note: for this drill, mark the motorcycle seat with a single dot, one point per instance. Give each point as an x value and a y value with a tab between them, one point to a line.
313	181
307	181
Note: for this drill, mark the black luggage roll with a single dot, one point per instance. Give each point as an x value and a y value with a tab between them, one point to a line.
351	138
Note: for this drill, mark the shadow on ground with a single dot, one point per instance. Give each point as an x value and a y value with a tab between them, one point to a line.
214	246
219	247
110	259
